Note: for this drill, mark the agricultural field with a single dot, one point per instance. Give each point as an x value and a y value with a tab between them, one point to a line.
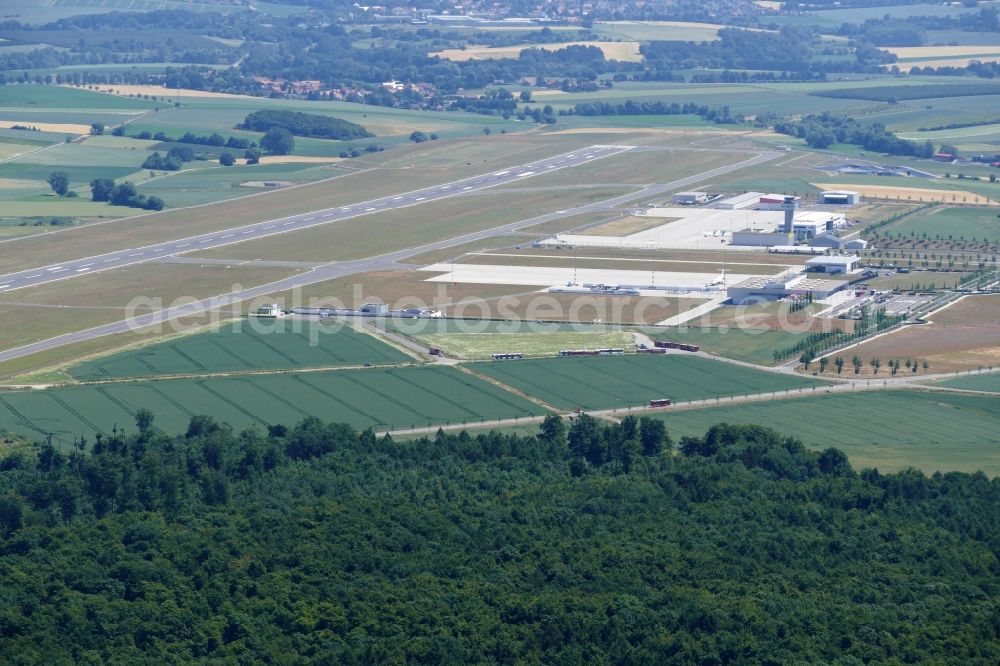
62	111
36	11
245	346
950	222
626	51
631	380
381	398
963	336
646	31
889	430
986	382
835	17
943	56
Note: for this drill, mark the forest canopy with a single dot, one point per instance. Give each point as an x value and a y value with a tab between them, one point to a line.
588	543
304	124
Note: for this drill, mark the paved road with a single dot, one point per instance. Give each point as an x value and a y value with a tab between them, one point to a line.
377	263
111	260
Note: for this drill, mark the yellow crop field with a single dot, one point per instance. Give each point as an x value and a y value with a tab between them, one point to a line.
911	193
71	128
943	56
960	61
160	91
911	52
612	51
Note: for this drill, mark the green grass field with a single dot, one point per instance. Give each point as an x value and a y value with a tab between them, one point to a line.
483	345
752	345
621	381
990	382
950	222
890	430
383	398
246	345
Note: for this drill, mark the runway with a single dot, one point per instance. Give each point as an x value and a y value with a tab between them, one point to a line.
88	265
385	261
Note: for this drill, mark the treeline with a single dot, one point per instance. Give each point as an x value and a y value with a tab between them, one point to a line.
320	544
824	130
911	30
304	124
811	345
123	194
215	139
720	115
984	70
792	49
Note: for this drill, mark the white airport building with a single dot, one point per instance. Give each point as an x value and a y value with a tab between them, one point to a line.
764	288
689	198
748	200
834	264
840	197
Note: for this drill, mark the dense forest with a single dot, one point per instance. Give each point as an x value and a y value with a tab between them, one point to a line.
825	129
590	543
793	49
720	115
304	124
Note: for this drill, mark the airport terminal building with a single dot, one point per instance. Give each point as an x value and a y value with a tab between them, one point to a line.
772	288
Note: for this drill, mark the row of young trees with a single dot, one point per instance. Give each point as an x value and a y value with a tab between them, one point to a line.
808	357
810	345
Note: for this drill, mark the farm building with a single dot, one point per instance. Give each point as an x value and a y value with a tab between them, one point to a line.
840	197
689	198
739	201
774	201
836	264
763	288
